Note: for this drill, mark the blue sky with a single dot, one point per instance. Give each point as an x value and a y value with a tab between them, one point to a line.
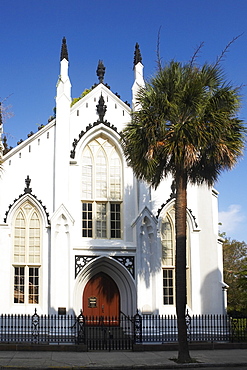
31	33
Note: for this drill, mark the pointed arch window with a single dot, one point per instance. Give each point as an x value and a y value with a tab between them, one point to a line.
168	259
101	190
27	254
168	263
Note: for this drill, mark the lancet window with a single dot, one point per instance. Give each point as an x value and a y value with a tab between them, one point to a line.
101	190
168	259
27	254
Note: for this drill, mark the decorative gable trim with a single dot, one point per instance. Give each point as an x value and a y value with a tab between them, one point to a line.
189	211
27	191
89	127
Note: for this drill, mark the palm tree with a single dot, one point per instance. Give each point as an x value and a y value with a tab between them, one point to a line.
187	127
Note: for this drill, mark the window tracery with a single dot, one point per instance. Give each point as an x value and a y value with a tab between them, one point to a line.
101	190
27	254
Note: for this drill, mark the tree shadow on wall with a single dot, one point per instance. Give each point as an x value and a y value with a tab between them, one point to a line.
148	251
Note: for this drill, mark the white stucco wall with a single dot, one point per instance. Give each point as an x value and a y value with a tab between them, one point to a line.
56	182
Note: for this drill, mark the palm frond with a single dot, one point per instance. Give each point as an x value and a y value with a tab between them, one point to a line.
187	122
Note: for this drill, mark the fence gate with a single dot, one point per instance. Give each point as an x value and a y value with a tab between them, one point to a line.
106	333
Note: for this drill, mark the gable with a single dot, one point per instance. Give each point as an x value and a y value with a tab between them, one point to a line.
84	112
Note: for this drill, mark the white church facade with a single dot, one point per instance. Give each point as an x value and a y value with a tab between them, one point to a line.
78	231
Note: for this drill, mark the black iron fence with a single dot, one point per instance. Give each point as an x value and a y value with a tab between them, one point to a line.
111	333
200	328
46	329
118	333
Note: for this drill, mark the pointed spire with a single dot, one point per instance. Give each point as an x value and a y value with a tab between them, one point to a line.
64	51
100	71
138	77
137	55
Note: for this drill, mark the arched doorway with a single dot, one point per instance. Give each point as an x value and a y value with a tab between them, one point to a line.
101	297
119	274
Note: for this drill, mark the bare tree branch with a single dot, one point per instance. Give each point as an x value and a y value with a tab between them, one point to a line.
159	64
5	109
195	55
220	58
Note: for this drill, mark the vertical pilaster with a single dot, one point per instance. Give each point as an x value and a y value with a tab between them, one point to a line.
141	187
62	132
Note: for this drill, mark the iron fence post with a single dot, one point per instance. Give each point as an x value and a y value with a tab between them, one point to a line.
188	325
137	328
35	327
81	332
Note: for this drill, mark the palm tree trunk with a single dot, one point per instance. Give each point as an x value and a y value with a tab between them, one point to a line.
180	265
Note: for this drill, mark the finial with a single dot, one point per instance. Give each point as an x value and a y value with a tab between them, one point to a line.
101	109
100	71
137	55
64	51
27	190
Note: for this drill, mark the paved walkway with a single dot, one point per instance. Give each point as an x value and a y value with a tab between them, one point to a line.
120	360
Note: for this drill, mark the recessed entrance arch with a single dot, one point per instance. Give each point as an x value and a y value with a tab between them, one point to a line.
118	273
101	297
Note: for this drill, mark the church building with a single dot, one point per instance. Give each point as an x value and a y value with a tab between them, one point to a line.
79	232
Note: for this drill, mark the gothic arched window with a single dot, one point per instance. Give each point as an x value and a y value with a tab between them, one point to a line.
27	254
168	259
101	190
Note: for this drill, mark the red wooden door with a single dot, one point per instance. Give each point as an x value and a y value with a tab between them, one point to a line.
101	297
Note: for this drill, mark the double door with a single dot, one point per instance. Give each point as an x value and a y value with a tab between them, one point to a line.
101	297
